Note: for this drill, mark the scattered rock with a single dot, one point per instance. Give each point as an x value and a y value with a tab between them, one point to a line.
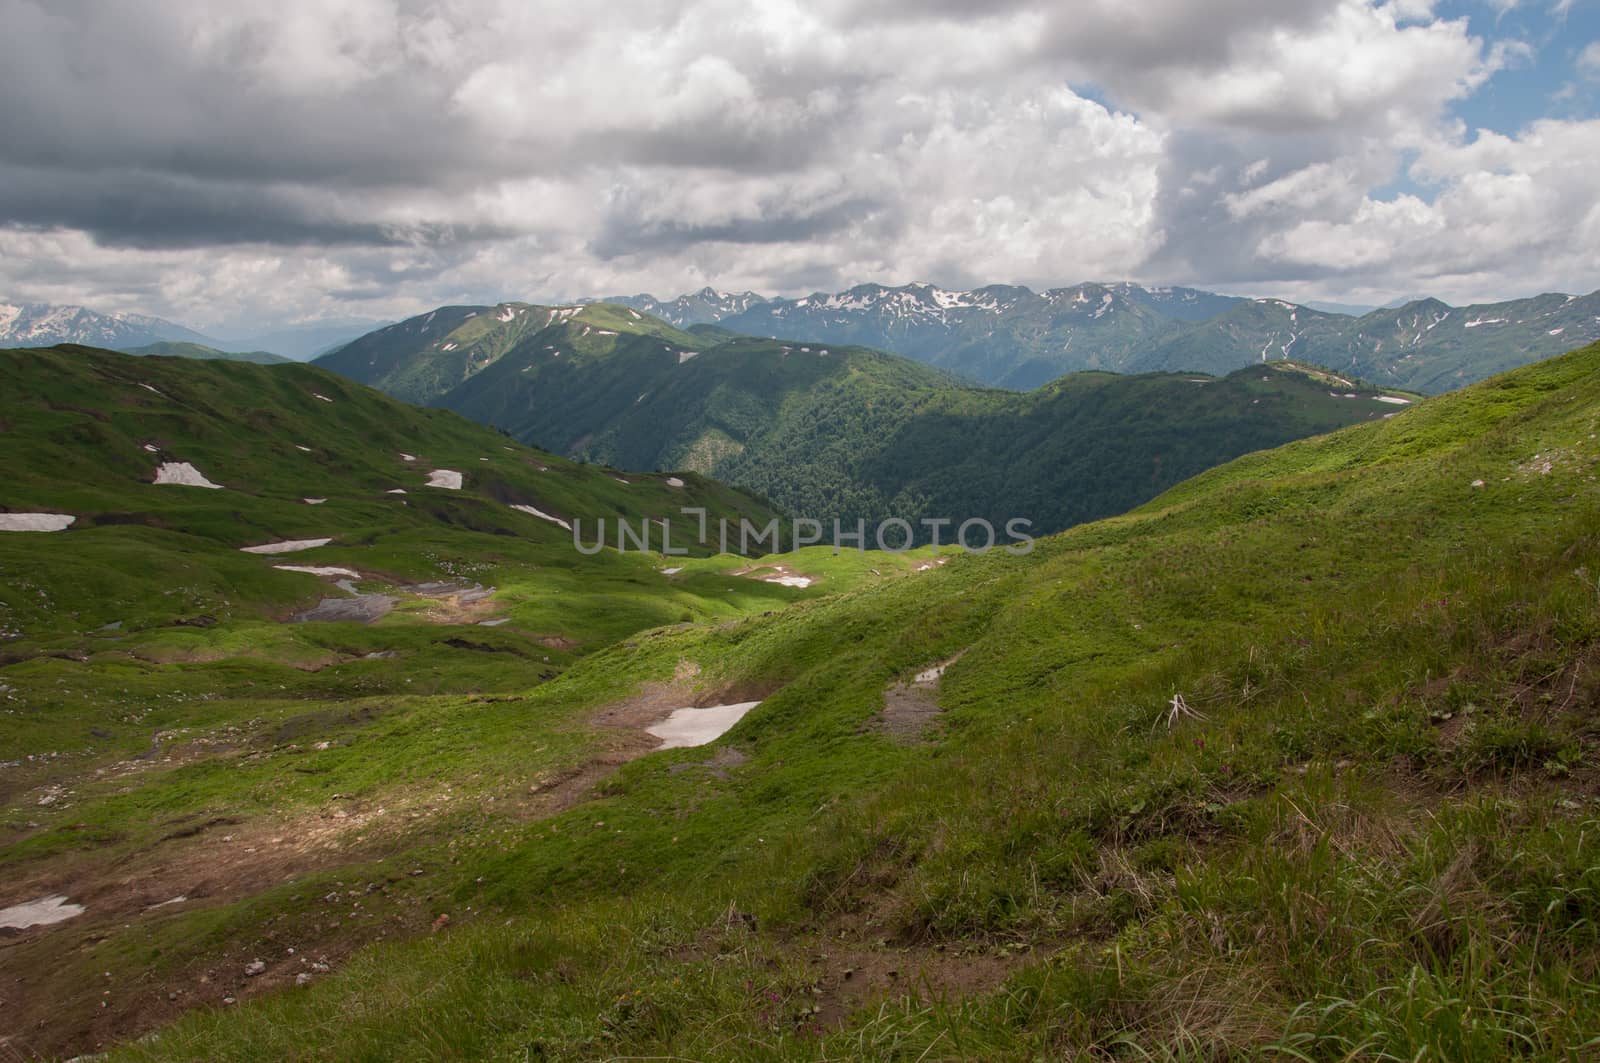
255	967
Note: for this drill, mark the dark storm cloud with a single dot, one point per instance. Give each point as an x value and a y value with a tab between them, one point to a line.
145	210
388	154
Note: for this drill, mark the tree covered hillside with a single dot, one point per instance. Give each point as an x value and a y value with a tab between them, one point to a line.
846	433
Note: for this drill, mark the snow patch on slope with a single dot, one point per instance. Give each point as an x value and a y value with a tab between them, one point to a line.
183	474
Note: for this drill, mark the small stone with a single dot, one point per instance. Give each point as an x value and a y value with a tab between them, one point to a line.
441	922
303	978
255	967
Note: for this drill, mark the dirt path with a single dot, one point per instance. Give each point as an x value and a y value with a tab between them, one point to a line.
911	709
209	861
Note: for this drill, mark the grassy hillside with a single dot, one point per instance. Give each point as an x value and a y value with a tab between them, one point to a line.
173	349
164	693
299	453
854	434
1298	760
422	358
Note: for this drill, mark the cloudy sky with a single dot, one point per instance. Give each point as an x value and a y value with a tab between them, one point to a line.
282	161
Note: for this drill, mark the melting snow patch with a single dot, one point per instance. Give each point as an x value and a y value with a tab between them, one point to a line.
1394	400
684	356
152	448
542	515
184	475
671	571
287	546
313	501
395	491
151	390
35	522
297	446
619	479
321	570
696	727
43	912
673	481
407	457
449	479
790	581
494	623
321	396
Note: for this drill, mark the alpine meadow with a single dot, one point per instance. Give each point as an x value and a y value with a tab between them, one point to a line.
1092	552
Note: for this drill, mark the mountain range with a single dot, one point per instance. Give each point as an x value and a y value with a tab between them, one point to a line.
45	324
48	324
1013	337
841	432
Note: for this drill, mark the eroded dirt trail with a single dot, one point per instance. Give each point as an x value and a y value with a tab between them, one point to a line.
209	861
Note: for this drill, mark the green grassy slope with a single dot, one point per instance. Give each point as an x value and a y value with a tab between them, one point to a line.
1297	761
197	350
84	432
158	701
423	358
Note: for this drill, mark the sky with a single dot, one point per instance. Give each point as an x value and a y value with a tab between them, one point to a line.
264	163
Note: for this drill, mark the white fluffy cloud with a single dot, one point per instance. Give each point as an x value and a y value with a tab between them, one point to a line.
275	161
1507	207
1589	61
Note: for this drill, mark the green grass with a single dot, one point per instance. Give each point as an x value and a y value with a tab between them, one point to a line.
1373	838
